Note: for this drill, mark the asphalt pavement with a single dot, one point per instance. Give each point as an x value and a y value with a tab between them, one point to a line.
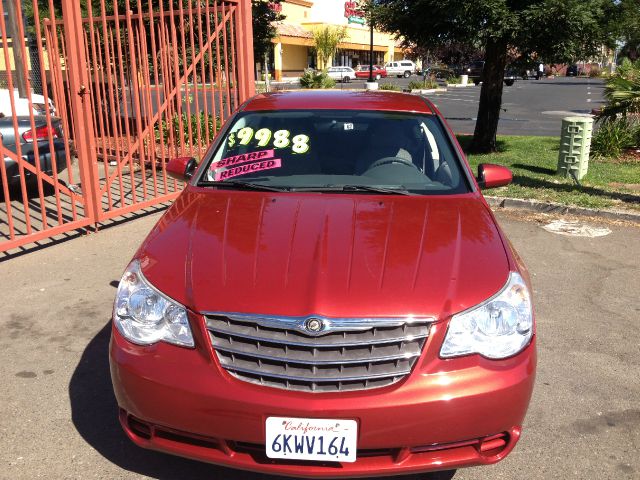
58	413
529	107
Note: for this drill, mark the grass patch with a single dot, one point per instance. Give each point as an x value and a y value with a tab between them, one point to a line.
533	161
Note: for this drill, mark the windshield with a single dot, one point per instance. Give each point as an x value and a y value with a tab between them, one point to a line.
333	149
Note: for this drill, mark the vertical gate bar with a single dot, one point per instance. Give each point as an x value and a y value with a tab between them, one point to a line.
218	64
60	100
114	99
5	186
234	66
172	107
96	113
68	93
65	85
167	143
98	99
184	74
203	76
136	97
156	80
196	82
169	89
226	59
142	85
104	119
125	102
177	87
12	100
211	70
77	68
248	61
45	94
21	47
59	90
144	49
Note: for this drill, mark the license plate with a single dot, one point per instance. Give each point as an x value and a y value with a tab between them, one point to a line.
312	439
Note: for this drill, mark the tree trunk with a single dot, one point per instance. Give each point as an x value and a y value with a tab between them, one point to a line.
484	137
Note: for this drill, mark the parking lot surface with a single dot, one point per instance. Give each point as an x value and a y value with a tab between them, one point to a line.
529	107
59	414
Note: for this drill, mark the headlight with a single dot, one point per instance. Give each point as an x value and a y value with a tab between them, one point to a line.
144	316
498	328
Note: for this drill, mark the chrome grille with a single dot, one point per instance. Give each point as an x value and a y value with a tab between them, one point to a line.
346	354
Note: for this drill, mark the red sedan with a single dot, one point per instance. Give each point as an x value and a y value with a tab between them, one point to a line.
315	308
378	72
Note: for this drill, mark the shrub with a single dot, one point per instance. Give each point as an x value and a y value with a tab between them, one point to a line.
312	79
454	80
623	91
390	86
595	72
614	136
207	123
428	84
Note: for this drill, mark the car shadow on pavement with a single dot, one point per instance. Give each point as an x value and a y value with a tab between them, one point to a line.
94	413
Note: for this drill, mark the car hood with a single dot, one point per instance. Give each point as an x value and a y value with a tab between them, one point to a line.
325	254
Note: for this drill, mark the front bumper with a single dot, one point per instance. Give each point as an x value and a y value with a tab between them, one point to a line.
446	414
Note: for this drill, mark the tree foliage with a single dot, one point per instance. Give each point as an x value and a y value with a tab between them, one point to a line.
265	17
326	40
628	27
553	31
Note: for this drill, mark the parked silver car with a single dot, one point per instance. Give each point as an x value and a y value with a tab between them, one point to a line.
342	74
26	138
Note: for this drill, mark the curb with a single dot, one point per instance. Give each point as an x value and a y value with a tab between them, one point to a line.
557	208
427	91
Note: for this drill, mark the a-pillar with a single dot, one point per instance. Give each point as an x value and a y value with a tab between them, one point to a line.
277	60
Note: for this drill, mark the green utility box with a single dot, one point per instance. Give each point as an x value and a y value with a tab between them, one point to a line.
575	144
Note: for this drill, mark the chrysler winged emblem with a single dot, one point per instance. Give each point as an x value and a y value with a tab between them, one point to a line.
314	325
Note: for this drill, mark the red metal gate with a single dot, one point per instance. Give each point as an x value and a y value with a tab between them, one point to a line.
133	83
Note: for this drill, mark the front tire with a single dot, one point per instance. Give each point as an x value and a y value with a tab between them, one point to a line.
378	77
407	74
508	83
346	80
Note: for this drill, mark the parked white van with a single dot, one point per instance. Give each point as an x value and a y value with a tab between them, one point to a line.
402	68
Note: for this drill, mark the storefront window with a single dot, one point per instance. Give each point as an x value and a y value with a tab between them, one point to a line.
353	58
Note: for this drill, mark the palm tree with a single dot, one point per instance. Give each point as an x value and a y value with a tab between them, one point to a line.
326	41
623	91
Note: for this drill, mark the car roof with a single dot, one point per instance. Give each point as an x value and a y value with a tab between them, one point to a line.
338	100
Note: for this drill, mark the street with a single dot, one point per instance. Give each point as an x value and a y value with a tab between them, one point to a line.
59	416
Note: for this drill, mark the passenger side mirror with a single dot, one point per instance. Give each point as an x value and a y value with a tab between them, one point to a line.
182	168
493	176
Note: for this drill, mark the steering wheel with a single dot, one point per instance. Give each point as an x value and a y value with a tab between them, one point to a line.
392	160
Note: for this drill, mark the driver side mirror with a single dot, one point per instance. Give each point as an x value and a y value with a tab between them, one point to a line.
182	168
493	176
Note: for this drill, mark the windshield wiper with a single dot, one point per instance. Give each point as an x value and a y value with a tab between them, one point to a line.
240	185
399	190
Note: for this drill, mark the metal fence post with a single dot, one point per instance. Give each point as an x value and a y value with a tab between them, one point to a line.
246	65
79	83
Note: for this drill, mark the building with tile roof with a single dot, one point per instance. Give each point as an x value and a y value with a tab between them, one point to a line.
293	47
